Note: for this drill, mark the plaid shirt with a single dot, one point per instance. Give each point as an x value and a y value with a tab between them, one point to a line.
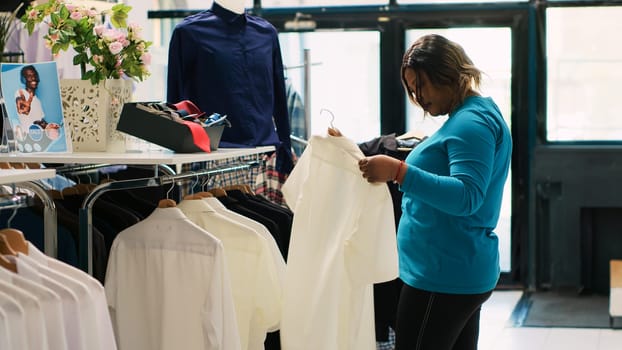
388	345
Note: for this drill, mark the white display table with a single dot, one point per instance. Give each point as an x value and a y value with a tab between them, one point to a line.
153	158
10	176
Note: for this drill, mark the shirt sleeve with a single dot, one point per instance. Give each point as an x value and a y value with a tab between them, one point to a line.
219	322
110	288
470	150
372	249
295	180
175	74
281	113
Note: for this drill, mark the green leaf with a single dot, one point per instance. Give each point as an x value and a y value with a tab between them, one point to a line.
64	12
55	19
119	20
31	27
56	48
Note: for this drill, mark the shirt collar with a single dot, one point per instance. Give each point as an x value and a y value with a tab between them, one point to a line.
228	16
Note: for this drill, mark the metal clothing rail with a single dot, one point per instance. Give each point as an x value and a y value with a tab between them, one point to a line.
50	228
16	201
84	169
85	254
13	201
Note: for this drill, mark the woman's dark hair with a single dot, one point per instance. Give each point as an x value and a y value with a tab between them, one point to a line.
31	68
445	63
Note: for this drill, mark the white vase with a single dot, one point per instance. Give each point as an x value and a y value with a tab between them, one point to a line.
92	112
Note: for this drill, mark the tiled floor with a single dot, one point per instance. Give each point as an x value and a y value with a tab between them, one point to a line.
498	333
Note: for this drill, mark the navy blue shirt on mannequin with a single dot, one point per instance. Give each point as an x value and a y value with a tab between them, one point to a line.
231	64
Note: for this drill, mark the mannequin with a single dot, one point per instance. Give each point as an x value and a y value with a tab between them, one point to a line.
229	62
236	6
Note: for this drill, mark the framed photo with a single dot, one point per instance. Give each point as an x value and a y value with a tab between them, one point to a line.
31	92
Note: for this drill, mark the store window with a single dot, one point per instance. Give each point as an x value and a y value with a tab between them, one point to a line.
584	70
343	79
404	2
490	50
313	3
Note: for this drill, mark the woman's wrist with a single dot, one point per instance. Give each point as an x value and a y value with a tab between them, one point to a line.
398	174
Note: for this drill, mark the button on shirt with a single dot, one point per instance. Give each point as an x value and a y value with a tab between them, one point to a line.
231	64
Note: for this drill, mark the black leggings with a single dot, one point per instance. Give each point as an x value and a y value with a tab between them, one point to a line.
437	321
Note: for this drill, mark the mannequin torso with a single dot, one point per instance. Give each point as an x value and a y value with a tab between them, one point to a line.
236	6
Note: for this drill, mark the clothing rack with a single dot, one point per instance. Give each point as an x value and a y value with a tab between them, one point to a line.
27	178
85	161
86	215
85	169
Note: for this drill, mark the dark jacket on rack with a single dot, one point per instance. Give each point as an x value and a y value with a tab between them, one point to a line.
386	294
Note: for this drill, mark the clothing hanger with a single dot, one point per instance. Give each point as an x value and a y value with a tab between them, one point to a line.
15	239
7	264
244	188
79	189
167	202
18	165
55	194
413	134
204	193
5	249
215	190
192	195
218	192
332	130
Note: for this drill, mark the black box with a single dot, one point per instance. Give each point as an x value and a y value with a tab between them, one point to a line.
162	130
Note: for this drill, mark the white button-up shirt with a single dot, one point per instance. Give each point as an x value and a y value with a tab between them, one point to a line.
254	280
168	286
342	242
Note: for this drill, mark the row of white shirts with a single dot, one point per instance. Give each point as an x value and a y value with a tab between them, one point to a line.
48	304
194	276
199	276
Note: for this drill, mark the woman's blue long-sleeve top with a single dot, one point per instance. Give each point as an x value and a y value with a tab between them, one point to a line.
452	198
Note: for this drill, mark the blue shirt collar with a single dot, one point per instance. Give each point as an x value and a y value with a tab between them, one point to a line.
228	16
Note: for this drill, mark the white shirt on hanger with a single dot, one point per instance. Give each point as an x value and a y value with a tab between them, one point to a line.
50	306
168	287
105	334
279	262
5	341
342	241
254	280
16	321
71	313
35	326
86	305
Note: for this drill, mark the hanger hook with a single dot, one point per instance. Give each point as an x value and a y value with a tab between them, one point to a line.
204	183
332	116
194	183
170	189
8	222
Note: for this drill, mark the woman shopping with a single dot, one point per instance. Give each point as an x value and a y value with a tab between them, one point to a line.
452	186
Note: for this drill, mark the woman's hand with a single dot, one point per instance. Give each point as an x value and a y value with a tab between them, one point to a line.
334	132
379	168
